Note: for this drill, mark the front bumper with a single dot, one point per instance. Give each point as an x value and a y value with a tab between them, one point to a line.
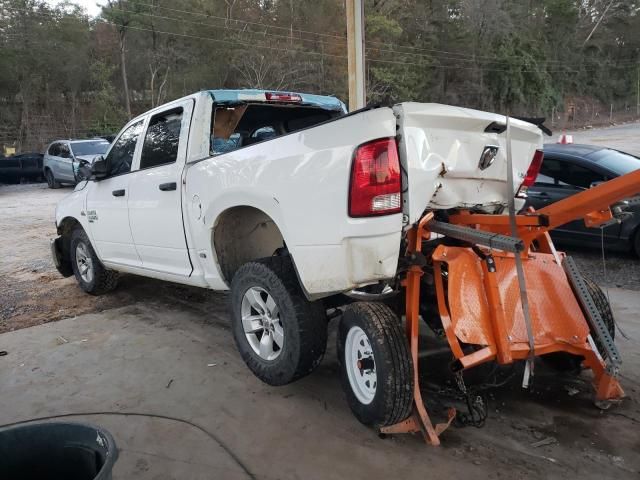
63	265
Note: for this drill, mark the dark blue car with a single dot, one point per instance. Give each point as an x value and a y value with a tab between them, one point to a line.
569	169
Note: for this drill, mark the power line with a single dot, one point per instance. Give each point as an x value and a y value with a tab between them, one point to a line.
471	60
393	47
198	37
246	22
241	30
324	54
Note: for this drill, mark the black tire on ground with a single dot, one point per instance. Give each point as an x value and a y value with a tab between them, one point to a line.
303	323
563	361
391	403
51	180
101	280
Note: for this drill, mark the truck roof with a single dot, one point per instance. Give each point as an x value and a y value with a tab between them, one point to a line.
251	95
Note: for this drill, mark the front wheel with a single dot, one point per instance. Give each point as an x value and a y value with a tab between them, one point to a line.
280	335
91	275
377	371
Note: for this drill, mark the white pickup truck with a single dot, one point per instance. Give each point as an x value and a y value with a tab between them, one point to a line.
285	199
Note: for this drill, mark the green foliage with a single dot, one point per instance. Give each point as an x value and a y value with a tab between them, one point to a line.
518	78
106	114
519	57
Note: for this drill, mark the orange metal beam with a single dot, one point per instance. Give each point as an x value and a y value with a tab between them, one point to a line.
594	199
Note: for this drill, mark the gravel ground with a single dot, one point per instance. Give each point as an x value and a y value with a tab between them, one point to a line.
621	137
620	270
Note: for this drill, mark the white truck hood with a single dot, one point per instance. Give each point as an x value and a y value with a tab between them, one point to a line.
440	149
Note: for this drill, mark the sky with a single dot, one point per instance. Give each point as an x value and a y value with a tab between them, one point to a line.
91	6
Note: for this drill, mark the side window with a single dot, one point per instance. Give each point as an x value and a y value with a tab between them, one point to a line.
549	172
583	177
54	149
566	175
64	150
120	156
161	140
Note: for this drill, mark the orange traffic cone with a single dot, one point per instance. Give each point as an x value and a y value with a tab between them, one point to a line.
565	139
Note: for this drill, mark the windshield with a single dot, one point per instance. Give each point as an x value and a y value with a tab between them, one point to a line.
618	162
98	147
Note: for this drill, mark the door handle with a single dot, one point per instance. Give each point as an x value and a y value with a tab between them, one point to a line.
165	187
118	193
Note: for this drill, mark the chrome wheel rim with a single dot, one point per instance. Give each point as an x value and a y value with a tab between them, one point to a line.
360	365
261	323
84	262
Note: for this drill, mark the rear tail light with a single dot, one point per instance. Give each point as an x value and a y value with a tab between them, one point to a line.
375	179
532	174
283	97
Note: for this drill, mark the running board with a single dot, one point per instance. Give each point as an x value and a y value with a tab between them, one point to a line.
598	327
477	237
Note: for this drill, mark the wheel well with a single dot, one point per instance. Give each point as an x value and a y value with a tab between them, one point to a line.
66	227
242	234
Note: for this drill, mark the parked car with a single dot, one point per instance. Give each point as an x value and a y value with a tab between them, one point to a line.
63	158
24	166
285	200
571	168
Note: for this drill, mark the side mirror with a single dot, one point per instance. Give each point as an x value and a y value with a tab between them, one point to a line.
98	168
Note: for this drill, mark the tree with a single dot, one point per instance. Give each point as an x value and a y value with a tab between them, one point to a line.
123	14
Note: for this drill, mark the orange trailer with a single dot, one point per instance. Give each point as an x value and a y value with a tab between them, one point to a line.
480	303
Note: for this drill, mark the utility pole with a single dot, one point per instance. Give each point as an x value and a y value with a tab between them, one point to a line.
355	49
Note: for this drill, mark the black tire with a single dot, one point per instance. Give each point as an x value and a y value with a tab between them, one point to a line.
51	180
391	403
304	323
102	280
566	362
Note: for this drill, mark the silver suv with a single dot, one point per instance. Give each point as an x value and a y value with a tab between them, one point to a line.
63	157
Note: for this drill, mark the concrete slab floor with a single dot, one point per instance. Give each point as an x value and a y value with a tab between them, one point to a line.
164	360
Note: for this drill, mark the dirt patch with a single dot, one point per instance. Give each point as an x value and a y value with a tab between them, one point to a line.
31	289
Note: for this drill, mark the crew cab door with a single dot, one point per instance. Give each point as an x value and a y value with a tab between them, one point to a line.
107	210
155	201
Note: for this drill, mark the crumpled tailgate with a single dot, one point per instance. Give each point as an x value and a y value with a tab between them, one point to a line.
441	147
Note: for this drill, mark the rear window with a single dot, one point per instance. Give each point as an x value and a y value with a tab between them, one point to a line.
99	147
242	125
618	162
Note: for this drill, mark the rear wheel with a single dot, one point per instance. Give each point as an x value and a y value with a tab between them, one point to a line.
91	275
51	180
280	335
376	368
